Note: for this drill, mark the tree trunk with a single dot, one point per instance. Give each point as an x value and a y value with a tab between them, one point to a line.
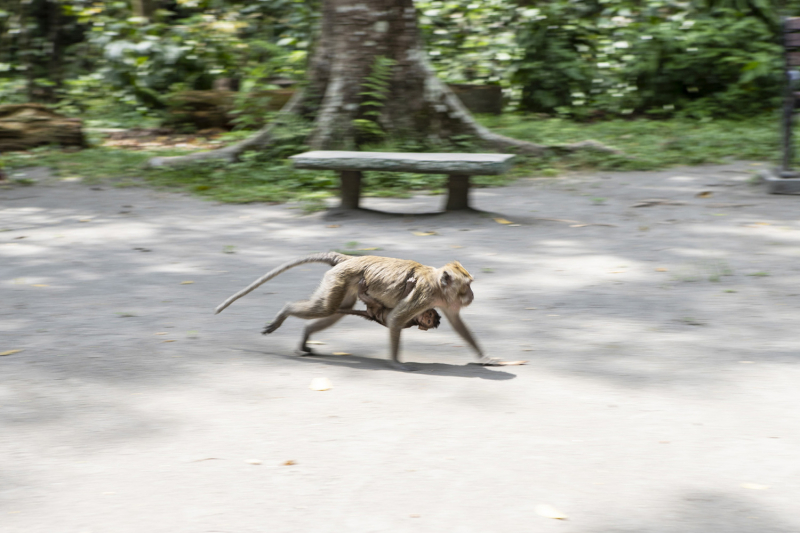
143	8
356	36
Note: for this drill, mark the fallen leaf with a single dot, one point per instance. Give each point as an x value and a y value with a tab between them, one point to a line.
559	220
198	459
40	285
171	340
754	486
424	233
548	511
320	384
342	353
661	270
502	221
704	194
186	282
10	352
332	226
253	461
655	201
289	463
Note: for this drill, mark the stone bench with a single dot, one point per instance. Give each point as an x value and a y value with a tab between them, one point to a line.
458	168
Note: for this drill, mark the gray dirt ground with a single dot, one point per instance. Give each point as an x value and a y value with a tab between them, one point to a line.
661	396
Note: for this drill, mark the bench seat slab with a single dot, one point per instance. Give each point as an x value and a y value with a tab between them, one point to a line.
438	163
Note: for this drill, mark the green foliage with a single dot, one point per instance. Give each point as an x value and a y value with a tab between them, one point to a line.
269	176
374	92
471	42
658	57
647	144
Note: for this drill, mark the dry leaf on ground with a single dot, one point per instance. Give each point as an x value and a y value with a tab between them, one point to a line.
186	282
333	226
655	201
704	194
289	463
10	352
502	221
320	384
424	233
253	461
315	342
548	511
342	353
661	270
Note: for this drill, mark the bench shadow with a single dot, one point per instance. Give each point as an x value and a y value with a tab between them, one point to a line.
470	370
337	213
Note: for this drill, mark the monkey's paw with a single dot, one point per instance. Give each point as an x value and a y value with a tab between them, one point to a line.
269	328
494	361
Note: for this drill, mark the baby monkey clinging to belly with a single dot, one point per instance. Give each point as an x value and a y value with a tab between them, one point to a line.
378	312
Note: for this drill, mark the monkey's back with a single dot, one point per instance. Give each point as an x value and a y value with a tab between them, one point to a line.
385	276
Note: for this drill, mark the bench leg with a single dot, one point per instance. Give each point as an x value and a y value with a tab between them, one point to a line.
351	188
458	193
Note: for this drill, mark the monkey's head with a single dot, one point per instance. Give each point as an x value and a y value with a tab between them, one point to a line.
455	282
428	320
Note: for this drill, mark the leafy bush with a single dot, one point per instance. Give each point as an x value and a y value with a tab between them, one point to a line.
656	56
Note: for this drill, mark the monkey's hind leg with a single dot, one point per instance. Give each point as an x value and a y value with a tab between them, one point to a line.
328	297
323	323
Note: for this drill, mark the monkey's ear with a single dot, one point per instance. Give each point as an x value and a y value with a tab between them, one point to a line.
446	278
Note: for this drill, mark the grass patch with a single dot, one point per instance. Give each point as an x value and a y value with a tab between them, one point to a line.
269	176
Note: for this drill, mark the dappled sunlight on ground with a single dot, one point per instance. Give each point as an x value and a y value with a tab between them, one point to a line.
661	383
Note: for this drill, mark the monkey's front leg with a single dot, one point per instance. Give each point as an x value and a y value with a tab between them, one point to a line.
394	339
455	320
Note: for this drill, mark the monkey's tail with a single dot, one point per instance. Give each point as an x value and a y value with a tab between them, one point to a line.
330	258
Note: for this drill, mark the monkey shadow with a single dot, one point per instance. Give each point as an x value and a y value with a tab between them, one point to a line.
470	370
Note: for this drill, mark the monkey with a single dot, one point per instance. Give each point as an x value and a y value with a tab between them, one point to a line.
376	312
446	288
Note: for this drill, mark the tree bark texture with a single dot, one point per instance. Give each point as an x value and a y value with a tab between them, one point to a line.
417	104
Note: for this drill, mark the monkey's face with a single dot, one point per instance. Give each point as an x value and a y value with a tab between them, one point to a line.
456	282
466	295
428	320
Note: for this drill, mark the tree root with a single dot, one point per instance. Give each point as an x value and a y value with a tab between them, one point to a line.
231	153
438	94
438	91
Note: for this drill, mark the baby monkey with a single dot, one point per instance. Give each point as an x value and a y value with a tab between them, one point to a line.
377	312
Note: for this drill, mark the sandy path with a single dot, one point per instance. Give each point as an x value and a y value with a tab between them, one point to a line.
662	394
